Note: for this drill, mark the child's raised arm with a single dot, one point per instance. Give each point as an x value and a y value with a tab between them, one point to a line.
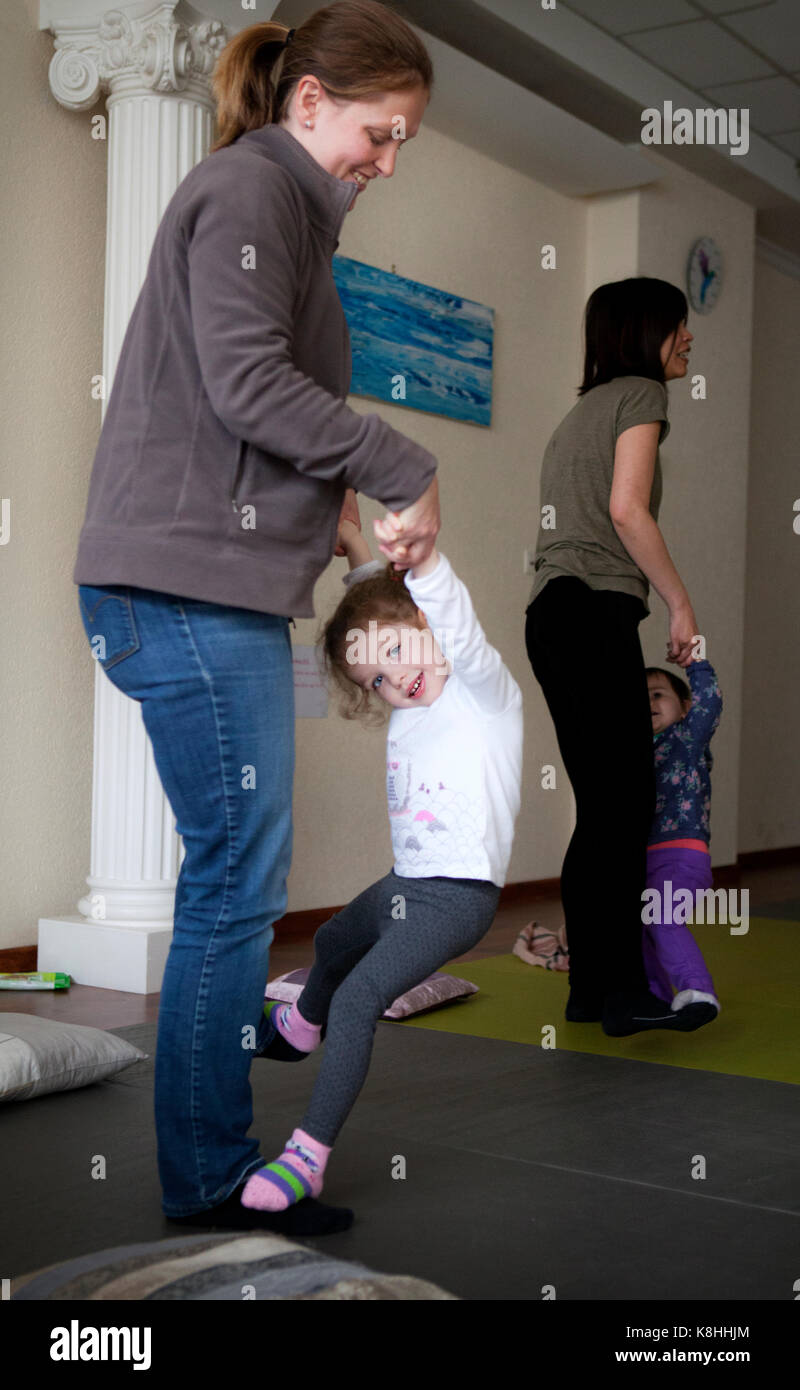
448	609
704	715
352	542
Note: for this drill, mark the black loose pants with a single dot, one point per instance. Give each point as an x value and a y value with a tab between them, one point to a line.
583	645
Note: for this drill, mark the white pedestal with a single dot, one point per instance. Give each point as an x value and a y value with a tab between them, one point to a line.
131	959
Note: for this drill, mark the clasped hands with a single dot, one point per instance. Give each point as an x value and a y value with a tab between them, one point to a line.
406	537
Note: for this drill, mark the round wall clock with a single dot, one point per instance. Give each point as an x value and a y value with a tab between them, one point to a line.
704	275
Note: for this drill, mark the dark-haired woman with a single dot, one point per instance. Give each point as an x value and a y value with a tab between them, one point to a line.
599	550
226	459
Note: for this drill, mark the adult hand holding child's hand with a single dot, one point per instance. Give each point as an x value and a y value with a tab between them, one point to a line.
408	537
682	631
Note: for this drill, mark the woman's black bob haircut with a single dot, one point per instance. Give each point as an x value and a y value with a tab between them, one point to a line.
626	323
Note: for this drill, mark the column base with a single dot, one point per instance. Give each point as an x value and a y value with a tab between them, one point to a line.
108	956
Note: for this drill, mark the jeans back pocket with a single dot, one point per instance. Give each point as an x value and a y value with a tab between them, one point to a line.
107	616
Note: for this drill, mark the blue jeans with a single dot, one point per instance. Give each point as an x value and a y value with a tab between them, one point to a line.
216	690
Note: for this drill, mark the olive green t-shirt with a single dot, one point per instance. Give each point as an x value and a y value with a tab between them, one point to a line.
577	473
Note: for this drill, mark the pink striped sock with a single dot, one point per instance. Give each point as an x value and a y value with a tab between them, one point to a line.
295	1174
295	1029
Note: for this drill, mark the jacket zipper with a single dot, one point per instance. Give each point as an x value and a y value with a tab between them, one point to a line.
239	472
236	481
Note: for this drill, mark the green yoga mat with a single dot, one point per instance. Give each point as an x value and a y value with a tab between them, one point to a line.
757	1032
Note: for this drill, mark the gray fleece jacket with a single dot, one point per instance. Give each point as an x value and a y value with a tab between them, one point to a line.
226	445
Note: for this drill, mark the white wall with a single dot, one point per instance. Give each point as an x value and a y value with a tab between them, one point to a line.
705	457
769	800
53	213
457	220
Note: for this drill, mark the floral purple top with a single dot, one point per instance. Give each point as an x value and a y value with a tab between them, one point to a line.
683	763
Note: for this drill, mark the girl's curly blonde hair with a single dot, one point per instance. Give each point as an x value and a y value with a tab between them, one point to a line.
383	598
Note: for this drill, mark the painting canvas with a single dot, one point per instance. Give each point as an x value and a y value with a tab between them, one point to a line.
416	345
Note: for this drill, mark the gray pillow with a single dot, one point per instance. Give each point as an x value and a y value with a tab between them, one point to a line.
38	1055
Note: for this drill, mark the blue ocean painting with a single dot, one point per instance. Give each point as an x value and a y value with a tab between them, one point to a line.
438	343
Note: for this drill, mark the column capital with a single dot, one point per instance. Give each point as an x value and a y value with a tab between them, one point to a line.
136	47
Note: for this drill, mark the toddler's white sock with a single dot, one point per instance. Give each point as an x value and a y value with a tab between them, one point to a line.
694	996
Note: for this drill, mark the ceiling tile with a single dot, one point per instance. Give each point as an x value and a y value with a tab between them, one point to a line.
774	105
620	16
776	33
700	54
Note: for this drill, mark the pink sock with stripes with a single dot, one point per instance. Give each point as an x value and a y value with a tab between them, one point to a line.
294	1028
296	1174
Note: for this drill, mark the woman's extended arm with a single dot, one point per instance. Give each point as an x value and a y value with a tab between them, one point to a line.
634	466
243	327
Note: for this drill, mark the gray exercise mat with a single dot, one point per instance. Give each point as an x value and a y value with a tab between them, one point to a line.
524	1169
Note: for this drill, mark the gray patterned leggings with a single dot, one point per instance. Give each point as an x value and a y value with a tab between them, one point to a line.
369	954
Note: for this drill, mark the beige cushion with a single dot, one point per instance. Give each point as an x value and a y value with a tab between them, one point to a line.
38	1055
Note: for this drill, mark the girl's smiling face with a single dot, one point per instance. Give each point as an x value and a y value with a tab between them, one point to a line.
675	352
408	668
665	706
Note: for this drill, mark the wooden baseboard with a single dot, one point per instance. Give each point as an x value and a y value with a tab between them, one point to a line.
513	893
727	875
18	958
770	858
302	925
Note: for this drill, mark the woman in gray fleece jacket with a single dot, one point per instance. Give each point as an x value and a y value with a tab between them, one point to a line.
226	458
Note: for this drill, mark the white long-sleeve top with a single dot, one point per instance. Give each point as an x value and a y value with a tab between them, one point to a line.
454	768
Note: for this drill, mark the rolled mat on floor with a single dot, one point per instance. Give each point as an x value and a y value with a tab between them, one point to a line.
539	946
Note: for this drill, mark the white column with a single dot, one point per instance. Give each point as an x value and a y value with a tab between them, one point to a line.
156	72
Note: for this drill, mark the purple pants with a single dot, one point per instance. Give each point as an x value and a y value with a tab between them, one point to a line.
672	957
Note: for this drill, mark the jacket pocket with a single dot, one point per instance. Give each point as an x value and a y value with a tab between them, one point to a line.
109	623
285	505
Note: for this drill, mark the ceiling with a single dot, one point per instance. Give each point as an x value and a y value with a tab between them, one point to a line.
731	52
558	93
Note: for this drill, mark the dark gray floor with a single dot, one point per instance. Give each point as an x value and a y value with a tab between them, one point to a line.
524	1168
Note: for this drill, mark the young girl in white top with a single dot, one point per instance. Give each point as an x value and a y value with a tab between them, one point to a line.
454	762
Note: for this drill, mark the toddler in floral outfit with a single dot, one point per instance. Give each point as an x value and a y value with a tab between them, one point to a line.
678	855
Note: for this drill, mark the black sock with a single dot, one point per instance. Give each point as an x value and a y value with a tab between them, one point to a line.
583	1006
279	1050
306	1218
624	1014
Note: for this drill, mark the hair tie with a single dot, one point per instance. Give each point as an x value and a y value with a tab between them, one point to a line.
288	38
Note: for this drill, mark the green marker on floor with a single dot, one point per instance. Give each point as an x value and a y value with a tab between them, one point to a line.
34	979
